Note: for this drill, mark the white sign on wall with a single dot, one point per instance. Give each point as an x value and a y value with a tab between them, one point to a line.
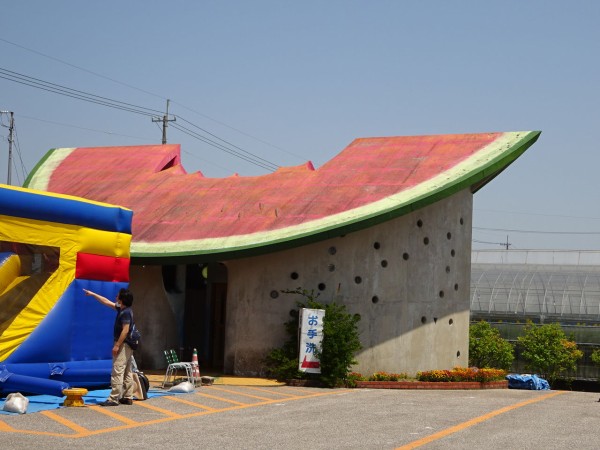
311	337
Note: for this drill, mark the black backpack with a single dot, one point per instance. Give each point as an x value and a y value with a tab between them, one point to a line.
133	338
145	384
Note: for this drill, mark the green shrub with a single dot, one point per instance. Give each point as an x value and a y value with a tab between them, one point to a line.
282	364
340	343
487	349
547	351
596	357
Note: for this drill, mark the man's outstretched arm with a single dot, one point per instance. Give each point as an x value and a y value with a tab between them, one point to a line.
101	299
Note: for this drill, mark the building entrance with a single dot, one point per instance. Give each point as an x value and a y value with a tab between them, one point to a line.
205	314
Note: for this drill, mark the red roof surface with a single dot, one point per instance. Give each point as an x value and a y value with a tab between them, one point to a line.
171	205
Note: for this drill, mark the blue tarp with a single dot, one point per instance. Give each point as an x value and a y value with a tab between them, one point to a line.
527	381
39	403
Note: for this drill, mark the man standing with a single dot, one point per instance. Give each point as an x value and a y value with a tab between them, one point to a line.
121	377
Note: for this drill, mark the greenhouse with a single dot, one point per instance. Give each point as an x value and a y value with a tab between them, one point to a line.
541	286
508	288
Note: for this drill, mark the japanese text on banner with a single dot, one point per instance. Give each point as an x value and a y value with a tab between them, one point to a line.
311	337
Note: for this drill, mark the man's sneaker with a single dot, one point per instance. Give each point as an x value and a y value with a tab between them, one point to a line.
126	401
109	403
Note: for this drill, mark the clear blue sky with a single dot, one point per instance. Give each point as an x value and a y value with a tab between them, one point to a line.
292	81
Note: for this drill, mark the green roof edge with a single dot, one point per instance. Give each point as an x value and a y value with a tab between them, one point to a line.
37	166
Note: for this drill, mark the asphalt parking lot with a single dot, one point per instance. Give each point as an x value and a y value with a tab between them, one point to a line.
284	417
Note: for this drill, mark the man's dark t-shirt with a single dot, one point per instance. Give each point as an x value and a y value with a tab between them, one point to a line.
123	317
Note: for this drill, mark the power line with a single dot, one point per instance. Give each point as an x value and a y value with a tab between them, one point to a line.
129	107
149	93
268	165
505	230
240	131
225	169
116	134
487	242
275	166
84	128
75	93
535	214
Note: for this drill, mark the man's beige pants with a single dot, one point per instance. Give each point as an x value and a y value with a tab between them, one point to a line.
121	380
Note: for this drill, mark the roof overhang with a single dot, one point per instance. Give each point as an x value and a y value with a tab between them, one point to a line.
188	217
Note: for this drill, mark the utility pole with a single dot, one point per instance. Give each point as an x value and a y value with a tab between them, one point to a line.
507	244
11	128
165	123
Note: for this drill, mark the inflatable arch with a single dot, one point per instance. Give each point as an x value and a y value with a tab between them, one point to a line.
52	247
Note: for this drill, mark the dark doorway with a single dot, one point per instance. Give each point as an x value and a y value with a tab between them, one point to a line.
218	300
205	314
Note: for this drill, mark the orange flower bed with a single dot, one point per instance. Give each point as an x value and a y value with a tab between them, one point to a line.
458	378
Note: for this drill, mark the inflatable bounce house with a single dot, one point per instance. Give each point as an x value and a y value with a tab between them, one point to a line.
51	248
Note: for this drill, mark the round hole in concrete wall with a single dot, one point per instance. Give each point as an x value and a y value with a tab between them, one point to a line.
332	250
461	221
384	263
322	286
374	299
357	280
426	241
441	294
376	245
456	286
274	294
452	253
458	354
405	256
294	275
451	321
331	267
447	269
449	235
423	319
419	223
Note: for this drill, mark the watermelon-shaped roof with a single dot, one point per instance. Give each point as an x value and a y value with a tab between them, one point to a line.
179	215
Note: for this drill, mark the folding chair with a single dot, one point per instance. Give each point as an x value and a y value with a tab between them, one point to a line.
173	365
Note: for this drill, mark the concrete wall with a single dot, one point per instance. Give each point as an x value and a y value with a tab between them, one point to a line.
154	315
408	278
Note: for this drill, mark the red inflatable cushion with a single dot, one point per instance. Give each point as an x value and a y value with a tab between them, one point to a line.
102	268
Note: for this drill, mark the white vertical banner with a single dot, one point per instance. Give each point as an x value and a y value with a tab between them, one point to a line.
311	337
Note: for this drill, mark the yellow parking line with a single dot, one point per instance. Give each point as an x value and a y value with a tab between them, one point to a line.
475	421
223	399
5	427
240	393
166	412
175	398
108	412
66	422
129	424
293	389
274	392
